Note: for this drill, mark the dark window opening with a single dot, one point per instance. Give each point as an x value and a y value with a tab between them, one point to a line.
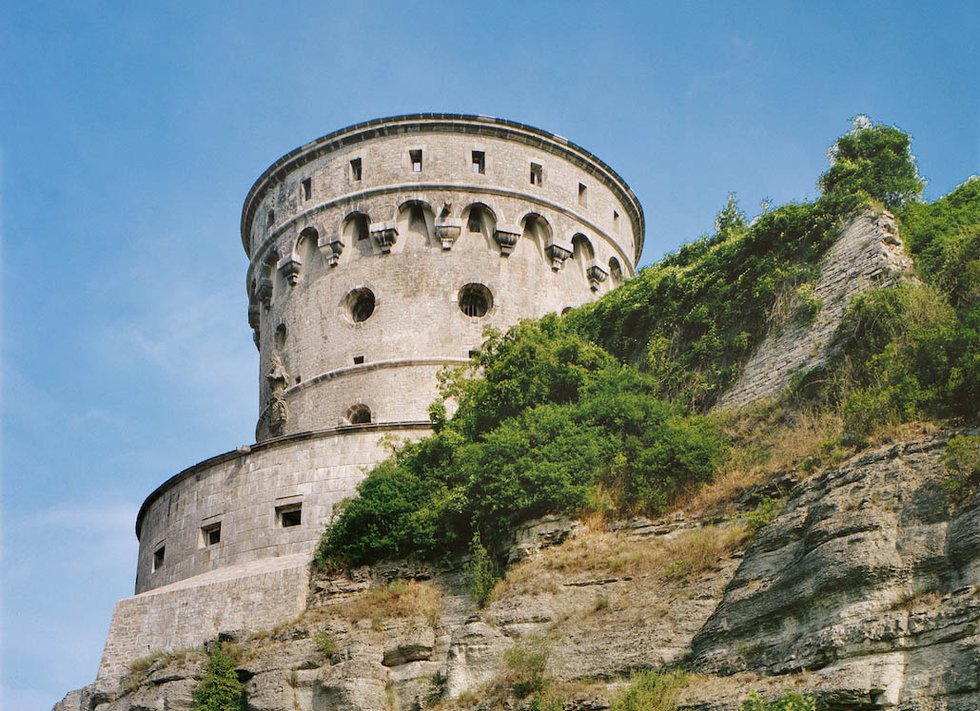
298	380
211	535
359	415
289	516
615	220
416	157
473	354
475	300
537	174
479	162
307	188
358	360
361	228
582	198
158	556
361	303
270	218
355	170
474	222
280	336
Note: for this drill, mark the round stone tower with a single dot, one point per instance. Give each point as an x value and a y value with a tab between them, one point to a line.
377	255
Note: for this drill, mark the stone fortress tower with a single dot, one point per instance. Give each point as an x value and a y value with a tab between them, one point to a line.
377	256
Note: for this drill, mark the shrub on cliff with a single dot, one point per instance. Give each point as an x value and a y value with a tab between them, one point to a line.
219	689
550	418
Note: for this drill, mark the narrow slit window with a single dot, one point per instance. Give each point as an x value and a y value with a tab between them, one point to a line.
307	188
270	218
210	535
158	557
582	194
355	170
289	516
615	221
537	174
416	157
479	162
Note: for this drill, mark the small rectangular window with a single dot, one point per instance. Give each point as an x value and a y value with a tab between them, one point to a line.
289	515
358	360
416	157
615	221
270	218
211	535
355	170
307	188
479	162
537	174
158	556
582	198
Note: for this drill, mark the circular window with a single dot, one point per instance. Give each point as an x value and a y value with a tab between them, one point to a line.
360	305
475	300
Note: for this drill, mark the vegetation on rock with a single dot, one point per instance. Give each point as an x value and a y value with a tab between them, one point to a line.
601	411
219	688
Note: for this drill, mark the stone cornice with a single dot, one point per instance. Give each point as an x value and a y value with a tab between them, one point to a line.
419	188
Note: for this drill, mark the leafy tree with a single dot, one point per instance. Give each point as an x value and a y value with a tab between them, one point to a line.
875	160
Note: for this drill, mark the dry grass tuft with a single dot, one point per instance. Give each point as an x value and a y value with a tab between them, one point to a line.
604	554
767	440
399	599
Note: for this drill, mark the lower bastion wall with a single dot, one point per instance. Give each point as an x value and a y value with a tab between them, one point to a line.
251	596
269	500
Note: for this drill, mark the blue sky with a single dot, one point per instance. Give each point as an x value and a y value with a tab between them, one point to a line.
130	133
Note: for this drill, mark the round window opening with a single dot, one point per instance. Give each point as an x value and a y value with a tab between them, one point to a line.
360	304
475	300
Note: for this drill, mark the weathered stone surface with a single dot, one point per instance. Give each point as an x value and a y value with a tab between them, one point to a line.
869	574
867	255
414	643
475	656
532	536
352	685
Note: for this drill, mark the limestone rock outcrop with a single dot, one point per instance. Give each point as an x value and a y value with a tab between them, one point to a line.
864	592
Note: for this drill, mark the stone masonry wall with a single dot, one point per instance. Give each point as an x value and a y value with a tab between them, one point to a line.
868	254
252	596
241	491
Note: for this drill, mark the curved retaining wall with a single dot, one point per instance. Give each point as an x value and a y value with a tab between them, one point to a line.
247	500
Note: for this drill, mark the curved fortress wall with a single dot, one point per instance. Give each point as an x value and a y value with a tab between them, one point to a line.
377	255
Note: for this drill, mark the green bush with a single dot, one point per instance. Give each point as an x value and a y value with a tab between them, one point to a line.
962	463
789	701
325	643
219	689
480	572
505	457
763	514
875	160
524	665
651	691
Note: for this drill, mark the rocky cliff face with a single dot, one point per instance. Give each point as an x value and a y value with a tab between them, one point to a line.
864	592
